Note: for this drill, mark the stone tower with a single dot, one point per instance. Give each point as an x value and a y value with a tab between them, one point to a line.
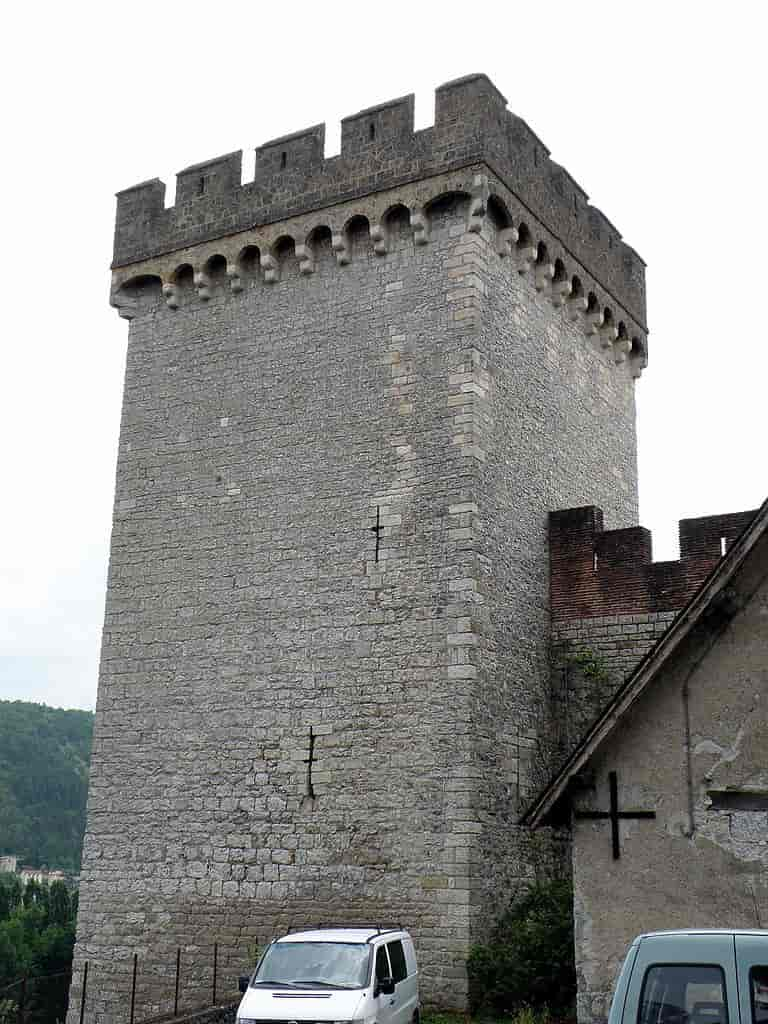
355	388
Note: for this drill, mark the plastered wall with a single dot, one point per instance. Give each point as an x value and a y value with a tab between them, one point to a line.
698	864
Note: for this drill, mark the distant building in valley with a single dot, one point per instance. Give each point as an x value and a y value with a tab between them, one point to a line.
10	863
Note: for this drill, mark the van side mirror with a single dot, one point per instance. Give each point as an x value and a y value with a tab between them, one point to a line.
242	982
386	987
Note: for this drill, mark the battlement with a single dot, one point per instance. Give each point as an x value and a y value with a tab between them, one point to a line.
596	572
380	150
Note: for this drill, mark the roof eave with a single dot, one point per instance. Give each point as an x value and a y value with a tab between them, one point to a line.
538	813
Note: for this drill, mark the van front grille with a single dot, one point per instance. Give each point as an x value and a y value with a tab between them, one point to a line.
252	1020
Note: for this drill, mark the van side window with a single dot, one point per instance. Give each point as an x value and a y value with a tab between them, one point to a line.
397	959
758	986
382	964
683	994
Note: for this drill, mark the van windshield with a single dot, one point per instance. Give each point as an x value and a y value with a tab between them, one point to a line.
307	964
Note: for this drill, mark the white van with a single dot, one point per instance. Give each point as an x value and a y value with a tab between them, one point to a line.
361	975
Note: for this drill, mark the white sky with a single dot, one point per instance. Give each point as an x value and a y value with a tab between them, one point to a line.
657	109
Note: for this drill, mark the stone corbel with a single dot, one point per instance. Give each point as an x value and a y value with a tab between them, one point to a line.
419	225
126	307
577	304
608	334
545	273
379	238
271	268
478	204
560	291
505	239
593	321
636	367
621	349
306	259
202	285
340	248
235	280
171	294
526	257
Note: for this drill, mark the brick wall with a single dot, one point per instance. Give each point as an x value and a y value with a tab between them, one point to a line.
610	603
597	573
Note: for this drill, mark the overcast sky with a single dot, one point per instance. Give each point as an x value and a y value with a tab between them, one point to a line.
657	109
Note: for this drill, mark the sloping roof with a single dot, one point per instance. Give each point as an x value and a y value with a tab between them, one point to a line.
712	591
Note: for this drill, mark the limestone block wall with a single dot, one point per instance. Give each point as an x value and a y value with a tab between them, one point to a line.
261	434
590	659
380	149
539	380
324	663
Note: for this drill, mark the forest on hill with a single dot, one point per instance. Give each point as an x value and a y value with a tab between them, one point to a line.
44	757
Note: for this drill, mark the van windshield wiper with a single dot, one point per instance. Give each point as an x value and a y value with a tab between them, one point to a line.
274	984
323	984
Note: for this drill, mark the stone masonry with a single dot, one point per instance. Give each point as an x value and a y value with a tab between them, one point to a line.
354	390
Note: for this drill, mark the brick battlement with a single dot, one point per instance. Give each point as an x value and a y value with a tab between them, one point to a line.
596	572
381	150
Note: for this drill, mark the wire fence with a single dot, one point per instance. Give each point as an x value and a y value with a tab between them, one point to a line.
36	998
43	999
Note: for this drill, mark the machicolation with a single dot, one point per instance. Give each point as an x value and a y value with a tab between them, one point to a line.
220	230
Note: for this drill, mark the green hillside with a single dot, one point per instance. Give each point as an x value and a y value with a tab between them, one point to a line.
44	755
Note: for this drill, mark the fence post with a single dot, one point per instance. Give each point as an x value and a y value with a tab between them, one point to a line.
215	965
82	992
176	996
22	999
133	985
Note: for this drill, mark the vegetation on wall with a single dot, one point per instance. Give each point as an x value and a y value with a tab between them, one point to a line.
528	965
590	664
44	756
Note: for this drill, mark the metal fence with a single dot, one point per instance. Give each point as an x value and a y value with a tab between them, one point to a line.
43	999
36	998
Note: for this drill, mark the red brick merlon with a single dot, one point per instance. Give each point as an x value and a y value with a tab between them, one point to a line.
597	572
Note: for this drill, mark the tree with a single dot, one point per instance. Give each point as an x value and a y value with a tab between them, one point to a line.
59	904
10	894
8	1011
42	799
37	938
529	961
33	894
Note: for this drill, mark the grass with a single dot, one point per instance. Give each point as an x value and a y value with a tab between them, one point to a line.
527	1015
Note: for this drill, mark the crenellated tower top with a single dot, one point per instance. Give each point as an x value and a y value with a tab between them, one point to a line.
380	151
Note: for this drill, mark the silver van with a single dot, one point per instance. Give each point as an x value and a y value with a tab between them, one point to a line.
694	977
